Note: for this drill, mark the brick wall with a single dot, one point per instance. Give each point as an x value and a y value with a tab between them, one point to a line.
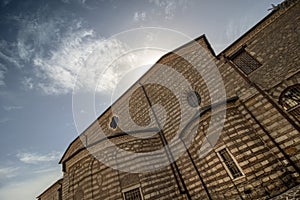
53	192
257	132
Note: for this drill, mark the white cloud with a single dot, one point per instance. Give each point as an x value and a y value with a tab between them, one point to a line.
77	52
8	172
37	35
27	82
9	55
3	70
10	108
88	4
76	55
36	158
29	188
139	16
81	58
170	7
57	56
9	59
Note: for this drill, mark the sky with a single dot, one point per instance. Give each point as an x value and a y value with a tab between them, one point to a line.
50	50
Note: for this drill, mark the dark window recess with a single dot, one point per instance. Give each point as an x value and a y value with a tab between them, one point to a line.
245	61
230	164
193	98
114	122
134	194
290	100
60	193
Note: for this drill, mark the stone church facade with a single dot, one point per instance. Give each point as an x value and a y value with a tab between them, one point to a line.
256	155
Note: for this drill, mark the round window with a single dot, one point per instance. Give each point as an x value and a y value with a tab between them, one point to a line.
193	98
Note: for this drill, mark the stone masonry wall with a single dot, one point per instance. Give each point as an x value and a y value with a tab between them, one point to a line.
51	193
258	136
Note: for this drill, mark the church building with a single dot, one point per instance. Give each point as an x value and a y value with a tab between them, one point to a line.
199	126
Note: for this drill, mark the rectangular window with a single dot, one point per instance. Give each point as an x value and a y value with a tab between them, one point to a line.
230	164
245	61
134	194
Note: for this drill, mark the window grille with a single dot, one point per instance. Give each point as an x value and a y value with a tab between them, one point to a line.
245	61
230	164
134	194
290	100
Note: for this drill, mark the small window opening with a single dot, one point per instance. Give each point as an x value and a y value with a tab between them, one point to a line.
114	122
194	98
230	163
245	61
134	194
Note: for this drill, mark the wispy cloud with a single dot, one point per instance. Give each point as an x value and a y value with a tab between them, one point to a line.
9	59
9	55
36	158
31	187
82	57
139	16
45	170
27	83
38	35
169	7
237	27
64	52
8	172
10	108
88	4
3	70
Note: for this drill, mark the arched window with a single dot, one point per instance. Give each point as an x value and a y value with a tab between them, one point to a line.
290	100
193	98
114	122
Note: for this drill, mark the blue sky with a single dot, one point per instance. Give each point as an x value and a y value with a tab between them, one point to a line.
43	44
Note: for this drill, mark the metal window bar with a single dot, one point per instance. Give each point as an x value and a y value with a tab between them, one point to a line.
290	101
134	194
291	98
231	165
246	62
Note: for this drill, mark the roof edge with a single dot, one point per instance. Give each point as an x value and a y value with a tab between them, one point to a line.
58	181
203	36
286	4
279	7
